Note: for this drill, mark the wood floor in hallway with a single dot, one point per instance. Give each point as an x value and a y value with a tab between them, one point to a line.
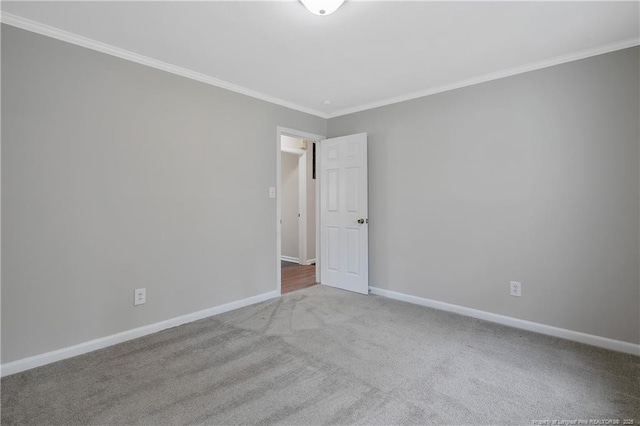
296	277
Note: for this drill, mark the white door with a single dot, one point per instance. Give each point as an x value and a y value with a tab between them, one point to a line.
344	225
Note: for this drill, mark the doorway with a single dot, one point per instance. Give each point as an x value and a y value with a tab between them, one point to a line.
297	211
297	206
341	207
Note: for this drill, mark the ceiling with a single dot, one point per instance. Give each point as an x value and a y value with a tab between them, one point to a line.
367	54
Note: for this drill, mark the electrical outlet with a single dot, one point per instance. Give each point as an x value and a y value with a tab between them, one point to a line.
139	296
515	288
272	192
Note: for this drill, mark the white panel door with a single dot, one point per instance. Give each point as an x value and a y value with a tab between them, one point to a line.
344	225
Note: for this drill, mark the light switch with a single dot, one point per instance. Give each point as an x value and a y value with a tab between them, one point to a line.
272	192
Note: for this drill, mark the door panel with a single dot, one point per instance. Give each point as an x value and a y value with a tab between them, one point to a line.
344	228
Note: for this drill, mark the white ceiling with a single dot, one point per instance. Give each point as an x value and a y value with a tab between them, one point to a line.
367	54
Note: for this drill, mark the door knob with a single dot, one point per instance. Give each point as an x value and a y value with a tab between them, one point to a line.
361	221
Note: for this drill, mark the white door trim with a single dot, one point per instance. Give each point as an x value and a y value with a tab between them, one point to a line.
280	131
302	208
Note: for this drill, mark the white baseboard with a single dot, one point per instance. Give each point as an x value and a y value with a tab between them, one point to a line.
576	336
311	261
289	259
92	345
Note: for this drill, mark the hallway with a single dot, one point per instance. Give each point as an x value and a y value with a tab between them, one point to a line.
296	277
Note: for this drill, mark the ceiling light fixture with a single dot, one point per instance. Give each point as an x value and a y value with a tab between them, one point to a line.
322	7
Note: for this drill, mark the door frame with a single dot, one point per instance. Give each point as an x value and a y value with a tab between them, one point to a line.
301	155
280	131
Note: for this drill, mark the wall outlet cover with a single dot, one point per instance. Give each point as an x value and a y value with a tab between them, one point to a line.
139	296
515	288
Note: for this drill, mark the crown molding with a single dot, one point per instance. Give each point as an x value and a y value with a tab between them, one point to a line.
78	40
56	33
492	76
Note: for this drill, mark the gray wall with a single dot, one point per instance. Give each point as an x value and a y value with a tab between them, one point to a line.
531	178
117	176
289	197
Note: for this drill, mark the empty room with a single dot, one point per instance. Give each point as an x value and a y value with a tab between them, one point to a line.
458	184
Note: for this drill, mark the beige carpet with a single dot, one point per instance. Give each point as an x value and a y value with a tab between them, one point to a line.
324	356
